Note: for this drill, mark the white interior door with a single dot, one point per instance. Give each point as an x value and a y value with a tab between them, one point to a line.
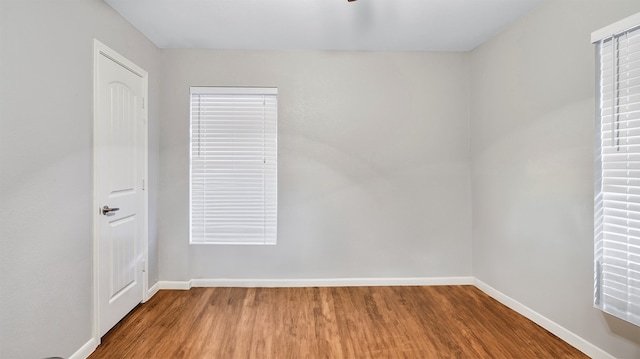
120	167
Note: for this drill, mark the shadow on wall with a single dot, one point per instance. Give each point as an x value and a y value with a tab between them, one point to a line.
622	328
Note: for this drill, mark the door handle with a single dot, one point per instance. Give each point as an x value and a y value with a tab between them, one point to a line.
106	210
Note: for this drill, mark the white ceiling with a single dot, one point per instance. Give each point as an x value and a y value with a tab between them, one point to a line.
378	25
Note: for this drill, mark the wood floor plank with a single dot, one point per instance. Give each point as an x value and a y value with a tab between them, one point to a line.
341	323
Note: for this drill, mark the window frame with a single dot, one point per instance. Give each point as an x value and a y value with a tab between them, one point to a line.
243	232
617	188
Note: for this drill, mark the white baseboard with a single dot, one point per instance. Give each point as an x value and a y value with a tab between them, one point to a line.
85	350
153	290
314	282
548	324
175	285
329	282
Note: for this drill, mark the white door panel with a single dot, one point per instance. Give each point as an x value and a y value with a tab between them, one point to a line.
120	130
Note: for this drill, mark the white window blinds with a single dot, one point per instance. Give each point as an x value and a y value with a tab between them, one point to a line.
617	201
233	165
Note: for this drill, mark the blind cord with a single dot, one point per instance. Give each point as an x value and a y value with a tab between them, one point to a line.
199	126
615	136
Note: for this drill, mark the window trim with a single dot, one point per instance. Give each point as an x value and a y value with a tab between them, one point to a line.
615	225
269	238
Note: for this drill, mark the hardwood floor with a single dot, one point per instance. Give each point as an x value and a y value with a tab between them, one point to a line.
343	322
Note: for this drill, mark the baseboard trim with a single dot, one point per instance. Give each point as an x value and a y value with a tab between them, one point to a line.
85	350
174	285
330	282
561	332
153	290
314	282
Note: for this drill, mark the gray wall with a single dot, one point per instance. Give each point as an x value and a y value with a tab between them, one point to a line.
375	171
532	117
46	168
373	165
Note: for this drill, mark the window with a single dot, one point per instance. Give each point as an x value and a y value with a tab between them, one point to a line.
617	190
233	185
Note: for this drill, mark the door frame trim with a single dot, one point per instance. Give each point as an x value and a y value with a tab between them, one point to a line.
100	49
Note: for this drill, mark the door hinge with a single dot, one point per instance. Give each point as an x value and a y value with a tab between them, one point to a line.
143	184
143	102
144	266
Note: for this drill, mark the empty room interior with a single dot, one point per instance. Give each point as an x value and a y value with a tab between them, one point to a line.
421	145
